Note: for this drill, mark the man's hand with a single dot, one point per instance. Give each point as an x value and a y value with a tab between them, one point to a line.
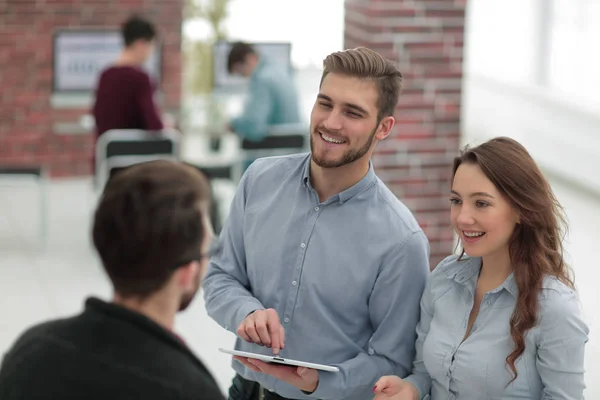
394	388
303	378
263	328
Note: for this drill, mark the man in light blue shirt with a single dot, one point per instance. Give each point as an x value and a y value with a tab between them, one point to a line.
320	262
272	96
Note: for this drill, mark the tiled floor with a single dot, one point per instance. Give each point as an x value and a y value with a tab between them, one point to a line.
37	284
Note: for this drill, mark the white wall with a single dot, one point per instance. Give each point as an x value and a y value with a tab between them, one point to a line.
531	72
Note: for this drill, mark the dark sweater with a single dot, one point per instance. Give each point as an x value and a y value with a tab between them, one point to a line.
107	352
124	100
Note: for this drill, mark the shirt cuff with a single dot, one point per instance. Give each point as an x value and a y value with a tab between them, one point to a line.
243	312
418	382
326	388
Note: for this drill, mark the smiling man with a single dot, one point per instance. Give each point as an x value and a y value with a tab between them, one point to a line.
320	261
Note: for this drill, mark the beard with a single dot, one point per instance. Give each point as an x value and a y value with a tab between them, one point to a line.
349	155
187	298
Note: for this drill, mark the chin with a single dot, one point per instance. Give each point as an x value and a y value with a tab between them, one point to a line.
474	251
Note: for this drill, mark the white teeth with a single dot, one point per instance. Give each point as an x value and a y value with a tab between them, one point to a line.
473	234
330	139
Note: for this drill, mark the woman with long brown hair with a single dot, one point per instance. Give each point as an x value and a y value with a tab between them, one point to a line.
502	320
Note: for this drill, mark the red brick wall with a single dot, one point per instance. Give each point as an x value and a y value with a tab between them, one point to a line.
425	37
26	34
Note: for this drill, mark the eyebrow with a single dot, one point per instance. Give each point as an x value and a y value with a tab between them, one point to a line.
481	194
349	105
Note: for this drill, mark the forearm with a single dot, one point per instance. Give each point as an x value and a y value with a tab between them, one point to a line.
249	128
421	381
227	301
357	375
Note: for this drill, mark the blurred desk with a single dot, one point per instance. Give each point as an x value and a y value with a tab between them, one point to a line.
196	150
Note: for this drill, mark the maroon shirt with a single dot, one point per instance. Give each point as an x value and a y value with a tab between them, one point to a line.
124	100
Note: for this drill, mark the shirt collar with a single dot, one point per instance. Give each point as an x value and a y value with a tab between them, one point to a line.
368	180
471	266
259	66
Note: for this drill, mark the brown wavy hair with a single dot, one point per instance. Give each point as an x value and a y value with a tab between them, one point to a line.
535	247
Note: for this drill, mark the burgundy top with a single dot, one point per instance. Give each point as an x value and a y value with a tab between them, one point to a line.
124	100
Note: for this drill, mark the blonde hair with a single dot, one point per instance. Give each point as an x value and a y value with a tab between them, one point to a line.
365	63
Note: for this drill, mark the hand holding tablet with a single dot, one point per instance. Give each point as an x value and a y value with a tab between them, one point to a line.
280	360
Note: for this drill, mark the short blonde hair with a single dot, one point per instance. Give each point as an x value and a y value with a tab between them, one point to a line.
365	63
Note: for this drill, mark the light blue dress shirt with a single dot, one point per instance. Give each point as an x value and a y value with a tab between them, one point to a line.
345	275
550	368
272	100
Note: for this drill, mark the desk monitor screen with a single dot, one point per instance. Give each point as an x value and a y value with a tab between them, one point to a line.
222	79
80	56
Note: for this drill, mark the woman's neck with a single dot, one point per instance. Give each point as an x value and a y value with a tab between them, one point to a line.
495	268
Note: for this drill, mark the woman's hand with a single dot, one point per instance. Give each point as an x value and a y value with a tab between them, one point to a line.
394	388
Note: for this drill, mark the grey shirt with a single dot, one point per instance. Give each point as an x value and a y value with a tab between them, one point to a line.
345	275
550	368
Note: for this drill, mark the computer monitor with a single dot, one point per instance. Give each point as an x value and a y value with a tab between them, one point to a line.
80	56
223	80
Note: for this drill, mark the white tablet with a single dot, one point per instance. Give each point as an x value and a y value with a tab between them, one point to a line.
279	360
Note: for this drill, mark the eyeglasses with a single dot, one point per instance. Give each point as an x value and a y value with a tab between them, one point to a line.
213	249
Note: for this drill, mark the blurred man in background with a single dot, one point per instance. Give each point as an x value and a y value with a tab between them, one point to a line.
125	92
272	98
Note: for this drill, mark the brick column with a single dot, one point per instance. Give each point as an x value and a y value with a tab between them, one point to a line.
425	37
26	40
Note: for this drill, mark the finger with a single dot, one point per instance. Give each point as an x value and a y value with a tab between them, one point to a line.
263	366
241	331
246	362
283	372
281	337
252	334
382	384
274	327
260	322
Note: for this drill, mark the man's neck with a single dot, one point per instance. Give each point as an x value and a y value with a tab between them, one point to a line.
328	182
157	309
127	58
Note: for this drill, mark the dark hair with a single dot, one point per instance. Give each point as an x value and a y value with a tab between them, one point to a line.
149	222
535	247
238	53
365	63
136	28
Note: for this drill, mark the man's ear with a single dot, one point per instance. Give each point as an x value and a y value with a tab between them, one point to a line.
385	128
185	275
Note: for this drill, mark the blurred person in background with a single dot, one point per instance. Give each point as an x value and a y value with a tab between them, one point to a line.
502	320
272	99
153	235
125	92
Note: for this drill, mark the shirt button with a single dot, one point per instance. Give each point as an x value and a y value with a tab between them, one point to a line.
316	208
286	320
294	283
302	245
